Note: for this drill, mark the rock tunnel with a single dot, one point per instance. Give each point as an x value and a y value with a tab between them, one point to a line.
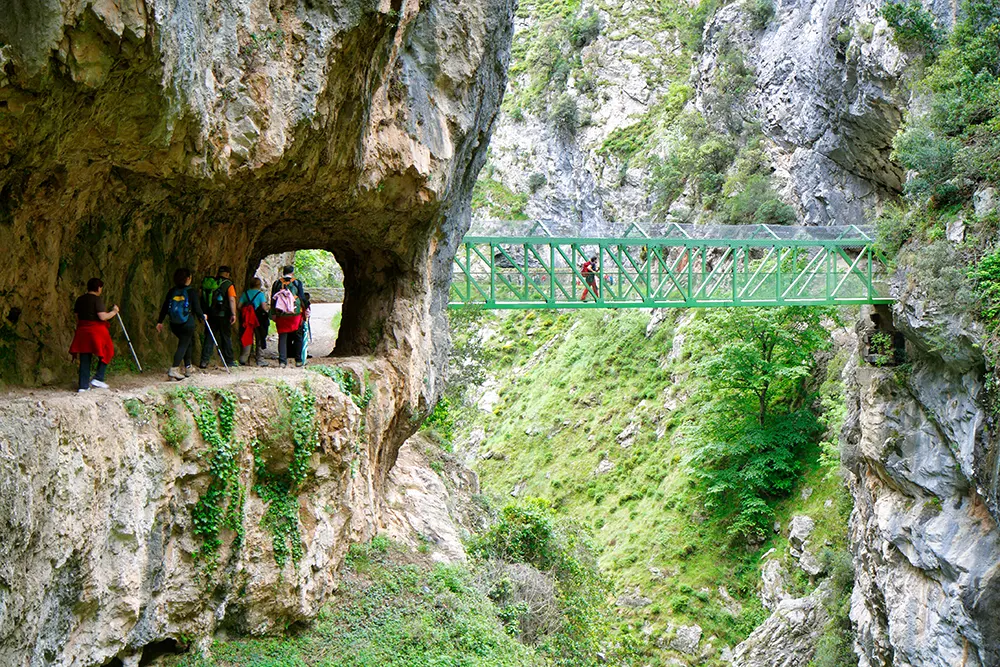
139	137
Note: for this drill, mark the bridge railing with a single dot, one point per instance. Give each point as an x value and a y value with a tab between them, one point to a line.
830	266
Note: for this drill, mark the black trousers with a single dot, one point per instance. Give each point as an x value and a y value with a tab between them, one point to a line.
223	331
185	343
85	359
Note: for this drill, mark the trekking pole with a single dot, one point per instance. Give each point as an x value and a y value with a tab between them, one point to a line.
217	348
129	341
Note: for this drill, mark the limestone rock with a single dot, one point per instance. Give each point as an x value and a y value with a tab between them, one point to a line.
799	530
773	586
633	600
788	637
923	532
98	554
686	639
984	201
604	467
417	506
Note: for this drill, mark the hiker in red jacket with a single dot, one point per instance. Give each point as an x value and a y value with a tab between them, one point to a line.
92	336
589	272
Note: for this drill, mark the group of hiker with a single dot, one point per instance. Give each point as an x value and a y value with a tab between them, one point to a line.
218	307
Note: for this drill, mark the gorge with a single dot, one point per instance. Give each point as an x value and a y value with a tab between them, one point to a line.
242	520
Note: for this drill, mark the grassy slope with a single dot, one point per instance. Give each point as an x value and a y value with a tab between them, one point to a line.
560	414
389	613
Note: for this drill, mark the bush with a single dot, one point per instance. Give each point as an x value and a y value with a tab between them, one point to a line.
941	271
985	276
760	12
565	115
584	29
536	181
913	27
893	227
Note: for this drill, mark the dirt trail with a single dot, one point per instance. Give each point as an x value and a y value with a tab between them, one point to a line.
129	385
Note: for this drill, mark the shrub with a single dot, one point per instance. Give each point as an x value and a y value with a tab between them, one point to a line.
565	115
913	27
584	29
941	271
536	181
893	227
760	12
985	276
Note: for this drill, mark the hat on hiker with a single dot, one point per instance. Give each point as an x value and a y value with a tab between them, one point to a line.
223	269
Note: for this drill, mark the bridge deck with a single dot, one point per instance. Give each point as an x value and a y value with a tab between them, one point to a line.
685	266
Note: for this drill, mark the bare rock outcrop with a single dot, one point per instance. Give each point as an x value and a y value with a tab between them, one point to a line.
923	531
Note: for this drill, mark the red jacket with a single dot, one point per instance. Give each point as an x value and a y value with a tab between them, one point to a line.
93	338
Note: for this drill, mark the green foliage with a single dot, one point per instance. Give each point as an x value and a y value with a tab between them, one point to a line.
221	505
279	489
499	200
940	270
955	145
135	409
531	533
753	368
913	27
882	349
318	268
630	140
757	203
584	29
536	181
985	276
174	428
893	227
760	12
442	422
389	615
565	115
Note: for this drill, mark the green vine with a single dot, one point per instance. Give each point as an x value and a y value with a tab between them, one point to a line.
279	490
221	506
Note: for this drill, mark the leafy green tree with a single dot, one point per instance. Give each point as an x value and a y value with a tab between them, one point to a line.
318	268
755	423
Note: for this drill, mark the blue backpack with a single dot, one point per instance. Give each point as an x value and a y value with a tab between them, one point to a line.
179	306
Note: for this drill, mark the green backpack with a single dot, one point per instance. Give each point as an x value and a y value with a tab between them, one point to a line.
213	295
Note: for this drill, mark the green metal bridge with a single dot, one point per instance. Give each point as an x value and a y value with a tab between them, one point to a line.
670	266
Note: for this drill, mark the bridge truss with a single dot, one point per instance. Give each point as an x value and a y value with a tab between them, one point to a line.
671	266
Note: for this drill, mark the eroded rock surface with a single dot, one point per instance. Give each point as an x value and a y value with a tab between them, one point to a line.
926	544
139	137
100	551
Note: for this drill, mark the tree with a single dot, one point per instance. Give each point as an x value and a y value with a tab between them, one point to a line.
753	366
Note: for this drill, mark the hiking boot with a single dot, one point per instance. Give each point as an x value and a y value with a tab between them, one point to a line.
262	364
298	364
187	371
175	373
282	364
97	383
202	366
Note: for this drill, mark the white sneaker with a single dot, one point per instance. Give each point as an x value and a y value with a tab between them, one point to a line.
97	383
80	391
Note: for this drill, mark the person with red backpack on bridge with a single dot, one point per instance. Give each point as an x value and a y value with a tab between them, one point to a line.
589	271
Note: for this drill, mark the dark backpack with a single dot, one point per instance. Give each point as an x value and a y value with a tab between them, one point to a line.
179	305
214	297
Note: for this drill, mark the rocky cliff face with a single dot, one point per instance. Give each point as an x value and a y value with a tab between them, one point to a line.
139	137
920	449
147	519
